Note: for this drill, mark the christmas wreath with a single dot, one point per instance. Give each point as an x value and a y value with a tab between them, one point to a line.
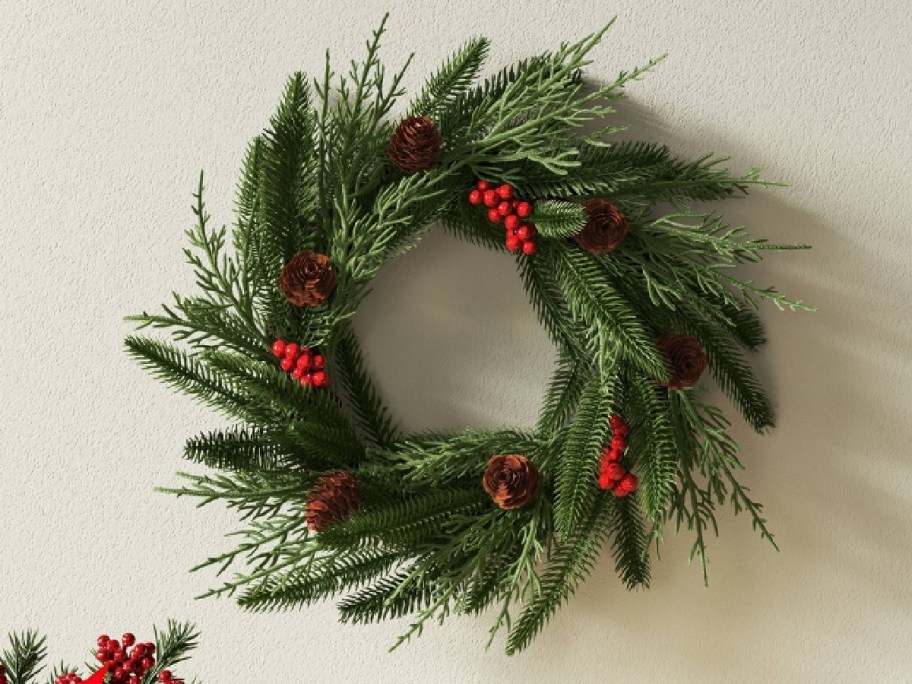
120	661
636	291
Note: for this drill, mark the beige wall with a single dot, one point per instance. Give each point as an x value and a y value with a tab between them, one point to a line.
106	116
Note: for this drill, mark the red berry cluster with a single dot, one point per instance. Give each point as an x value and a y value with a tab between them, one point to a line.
503	206
304	364
3	679
612	474
128	661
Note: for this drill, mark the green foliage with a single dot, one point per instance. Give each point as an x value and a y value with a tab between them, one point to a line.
559	219
25	657
576	466
426	541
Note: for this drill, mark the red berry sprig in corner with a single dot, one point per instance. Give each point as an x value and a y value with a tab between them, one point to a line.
304	364
504	207
612	474
127	660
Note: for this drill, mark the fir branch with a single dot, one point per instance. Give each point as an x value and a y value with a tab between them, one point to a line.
652	446
452	79
24	657
559	219
570	563
630	543
372	416
609	316
576	466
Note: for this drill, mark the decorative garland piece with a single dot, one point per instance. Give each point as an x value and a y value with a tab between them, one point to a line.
123	661
637	292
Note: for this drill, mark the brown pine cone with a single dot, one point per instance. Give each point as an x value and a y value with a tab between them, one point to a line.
308	279
333	498
415	145
605	227
686	358
511	480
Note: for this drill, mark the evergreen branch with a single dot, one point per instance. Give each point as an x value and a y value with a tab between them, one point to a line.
24	657
237	448
452	79
570	563
652	445
172	647
576	467
611	318
370	412
559	219
630	544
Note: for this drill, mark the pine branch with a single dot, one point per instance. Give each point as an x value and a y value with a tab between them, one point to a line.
452	79
172	647
570	563
372	416
24	657
576	466
609	316
630	543
559	219
652	446
237	448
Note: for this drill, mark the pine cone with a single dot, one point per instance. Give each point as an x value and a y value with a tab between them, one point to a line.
333	498
605	228
308	279
511	480
686	358
415	145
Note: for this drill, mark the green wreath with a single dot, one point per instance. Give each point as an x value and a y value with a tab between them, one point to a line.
637	302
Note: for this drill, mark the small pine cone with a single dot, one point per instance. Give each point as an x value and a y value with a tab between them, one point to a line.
606	227
333	498
308	279
511	480
415	145
686	358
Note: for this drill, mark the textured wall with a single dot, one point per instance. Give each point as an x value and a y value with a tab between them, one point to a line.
108	113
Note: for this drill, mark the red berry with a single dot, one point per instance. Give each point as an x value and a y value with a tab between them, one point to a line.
490	198
511	221
101	655
165	676
529	248
622	430
504	208
297	372
514	244
494	215
475	197
139	651
483	185
523	232
524	209
319	363
147	663
619	490
113	644
103	639
604	481
291	350
287	363
504	191
616	421
614	470
320	379
307	378
630	482
304	361
128	639
618	442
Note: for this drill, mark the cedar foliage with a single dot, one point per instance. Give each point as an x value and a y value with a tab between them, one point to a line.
427	542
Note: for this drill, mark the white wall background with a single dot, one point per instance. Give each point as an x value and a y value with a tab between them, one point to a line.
109	109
